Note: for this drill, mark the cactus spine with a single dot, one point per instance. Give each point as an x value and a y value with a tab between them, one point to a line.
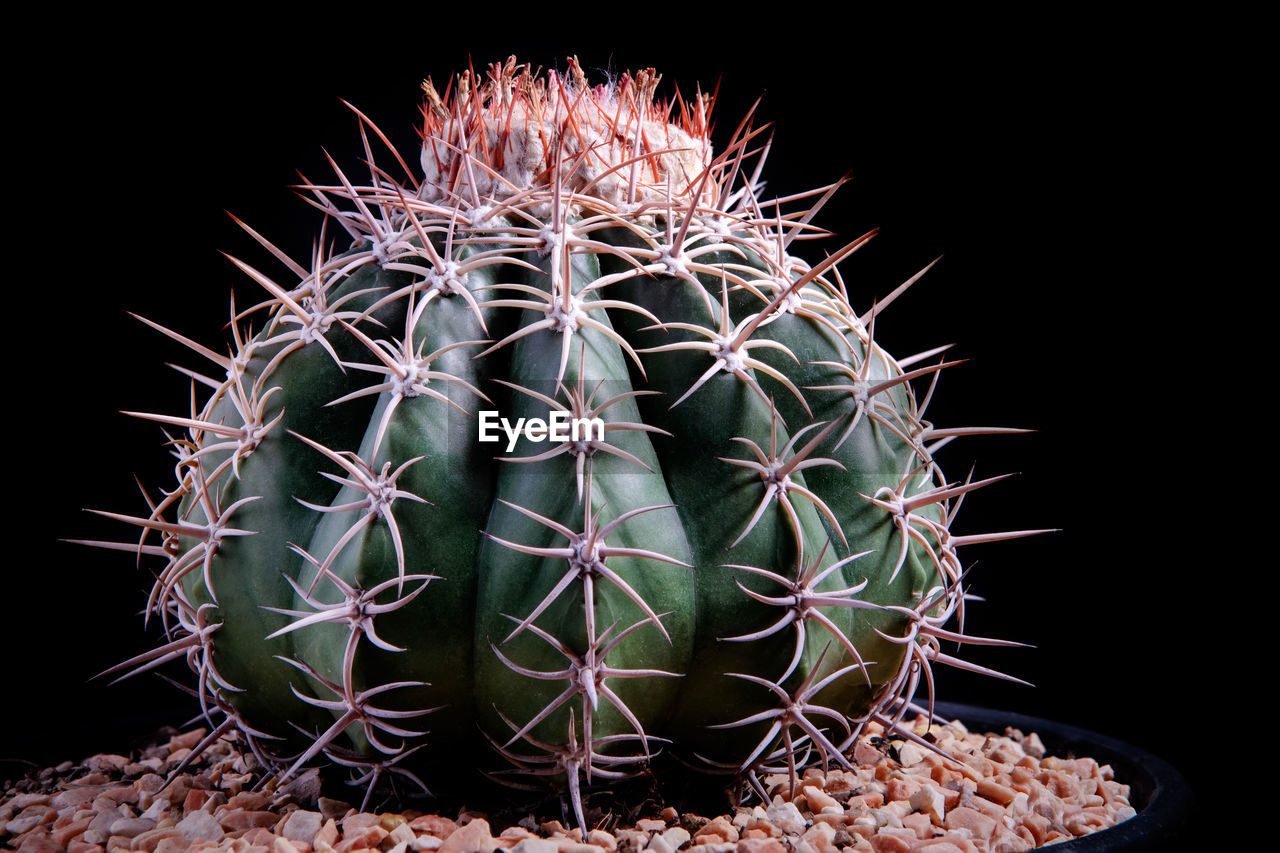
566	465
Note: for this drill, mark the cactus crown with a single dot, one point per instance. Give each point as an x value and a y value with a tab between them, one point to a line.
387	546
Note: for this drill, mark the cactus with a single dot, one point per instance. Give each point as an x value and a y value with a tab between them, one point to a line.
566	468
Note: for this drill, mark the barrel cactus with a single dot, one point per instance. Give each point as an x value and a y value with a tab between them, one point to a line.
565	469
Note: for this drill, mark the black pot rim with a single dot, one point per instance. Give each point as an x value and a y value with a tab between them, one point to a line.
1158	791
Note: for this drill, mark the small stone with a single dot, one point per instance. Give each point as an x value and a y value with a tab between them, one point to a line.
930	802
762	845
471	838
39	843
995	792
74	797
186	741
336	809
77	845
367	836
151	783
717	829
22	801
910	755
200	826
249	802
819	799
240	820
327	835
106	762
301	825
901	789
65	833
600	838
819	838
19	825
159	808
941	845
658	844
920	823
440	827
676	836
402	834
786	816
894	841
130	827
963	817
94	778
153	839
535	845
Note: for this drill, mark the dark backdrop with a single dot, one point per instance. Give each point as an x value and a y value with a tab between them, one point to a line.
1032	155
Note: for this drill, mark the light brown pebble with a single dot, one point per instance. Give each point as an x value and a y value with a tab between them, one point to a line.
910	755
22	801
819	799
357	820
725	847
535	845
963	817
200	826
760	845
894	841
26	822
475	837
603	839
149	784
658	844
676	836
719	828
107	762
866	754
995	792
74	797
930	802
939	846
152	839
786	816
368	836
131	827
186	740
63	834
440	827
401	834
327	836
239	820
39	844
301	825
77	845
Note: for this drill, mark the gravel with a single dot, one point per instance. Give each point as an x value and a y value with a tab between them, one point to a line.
997	793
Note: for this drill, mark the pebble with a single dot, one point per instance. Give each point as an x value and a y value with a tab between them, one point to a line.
1001	794
301	825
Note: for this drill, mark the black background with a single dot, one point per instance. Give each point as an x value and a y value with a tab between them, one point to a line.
1043	159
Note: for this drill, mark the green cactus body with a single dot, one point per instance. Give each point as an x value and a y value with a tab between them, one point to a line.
749	561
